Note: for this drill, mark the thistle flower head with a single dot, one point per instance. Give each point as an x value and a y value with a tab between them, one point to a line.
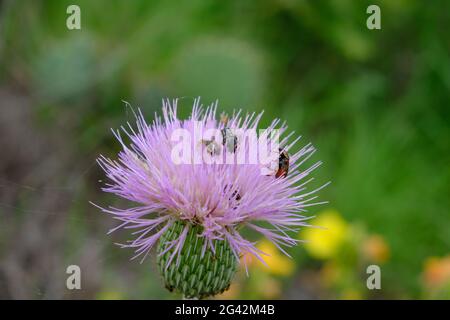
205	191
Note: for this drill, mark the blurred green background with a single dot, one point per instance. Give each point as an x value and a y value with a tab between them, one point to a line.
374	102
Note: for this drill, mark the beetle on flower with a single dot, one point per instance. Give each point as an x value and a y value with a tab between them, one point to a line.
195	213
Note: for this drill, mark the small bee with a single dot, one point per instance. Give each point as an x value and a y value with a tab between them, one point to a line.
229	140
212	147
283	164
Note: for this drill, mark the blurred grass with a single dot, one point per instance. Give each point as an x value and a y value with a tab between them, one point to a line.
375	103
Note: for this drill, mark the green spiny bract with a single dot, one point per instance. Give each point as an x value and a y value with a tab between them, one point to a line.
195	276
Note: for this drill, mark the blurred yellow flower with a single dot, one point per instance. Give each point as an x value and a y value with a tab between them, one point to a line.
351	294
437	271
109	295
277	262
376	249
324	242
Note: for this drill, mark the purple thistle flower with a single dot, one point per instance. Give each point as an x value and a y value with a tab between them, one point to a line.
220	198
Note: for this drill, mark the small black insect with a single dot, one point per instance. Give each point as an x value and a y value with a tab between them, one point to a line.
283	164
235	196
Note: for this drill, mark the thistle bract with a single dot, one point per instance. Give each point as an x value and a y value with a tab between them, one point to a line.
197	274
194	193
